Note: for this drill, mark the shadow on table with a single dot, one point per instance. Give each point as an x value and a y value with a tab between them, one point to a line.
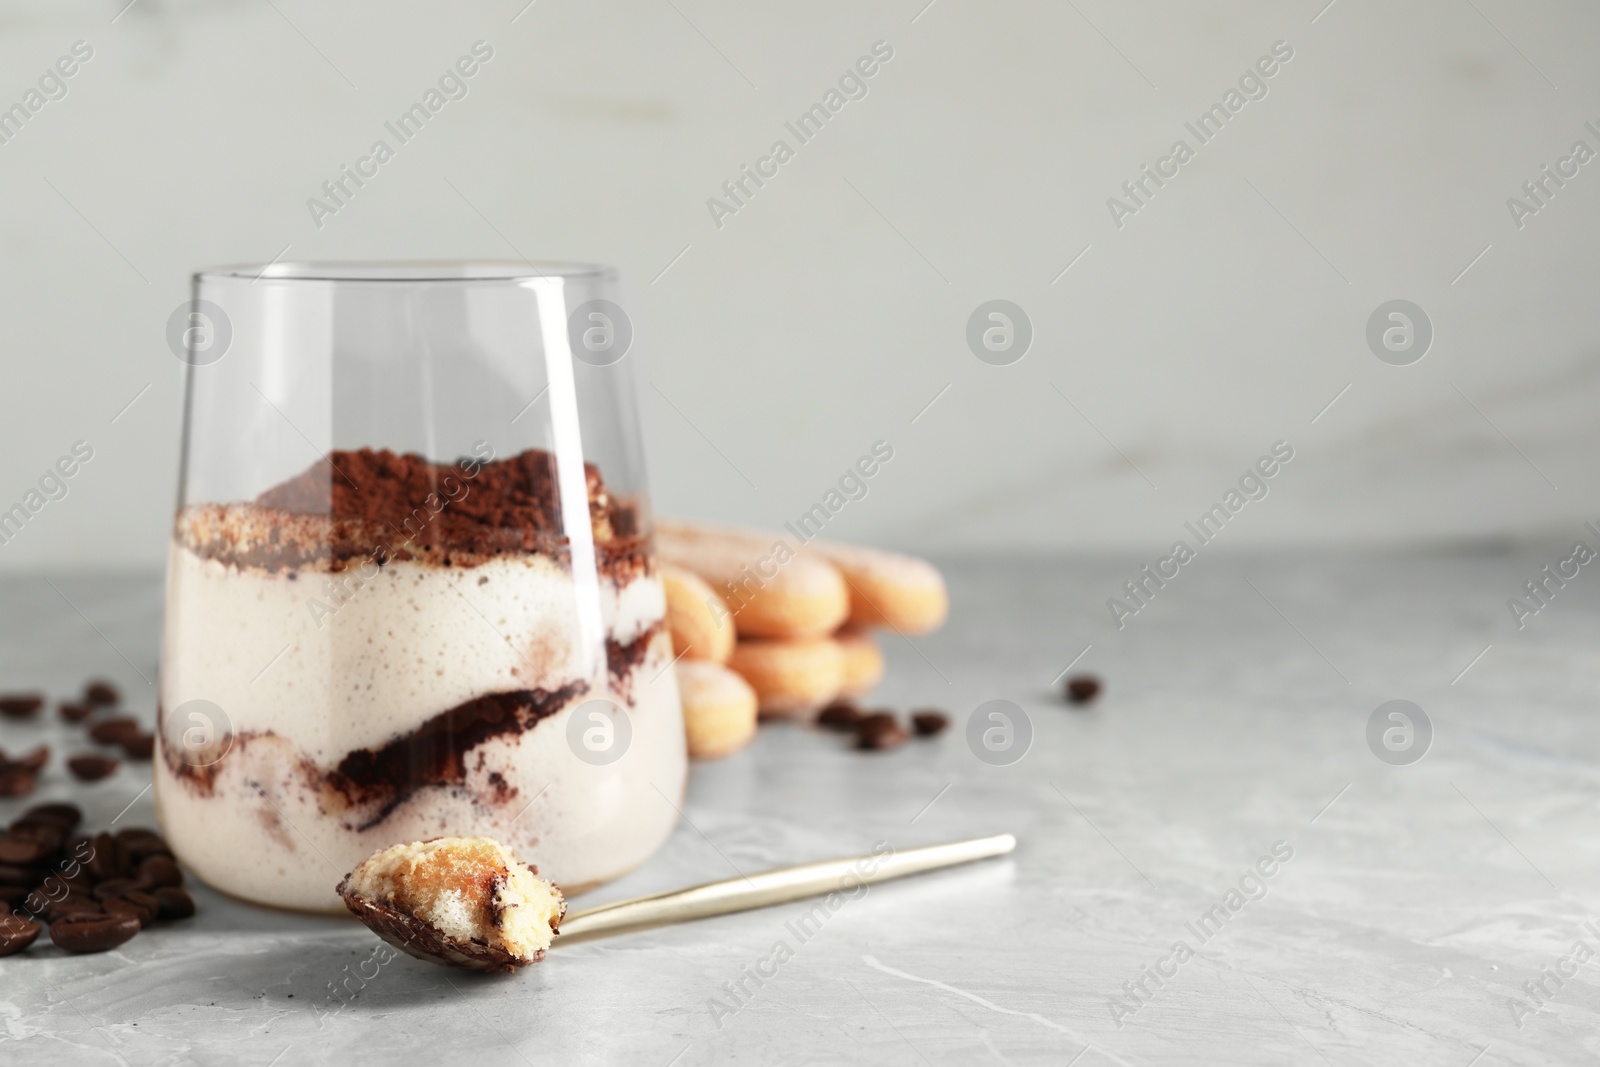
356	975
323	964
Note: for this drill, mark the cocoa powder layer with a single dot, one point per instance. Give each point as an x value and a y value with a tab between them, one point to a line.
377	505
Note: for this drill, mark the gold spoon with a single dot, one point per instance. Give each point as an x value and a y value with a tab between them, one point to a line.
774	887
425	941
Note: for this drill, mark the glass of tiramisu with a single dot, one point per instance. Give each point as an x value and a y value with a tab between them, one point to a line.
411	590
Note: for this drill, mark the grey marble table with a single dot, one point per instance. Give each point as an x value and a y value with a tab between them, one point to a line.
1416	906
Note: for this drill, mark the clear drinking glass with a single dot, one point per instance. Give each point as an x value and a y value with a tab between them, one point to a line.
411	589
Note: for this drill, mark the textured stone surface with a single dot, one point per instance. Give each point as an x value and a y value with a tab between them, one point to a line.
1415	906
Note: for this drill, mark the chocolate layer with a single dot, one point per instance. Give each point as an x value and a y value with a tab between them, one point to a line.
434	754
623	657
376	781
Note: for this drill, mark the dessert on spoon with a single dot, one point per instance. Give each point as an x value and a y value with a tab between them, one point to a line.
468	902
460	901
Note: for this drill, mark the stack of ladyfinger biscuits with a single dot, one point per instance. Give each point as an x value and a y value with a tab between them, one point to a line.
764	626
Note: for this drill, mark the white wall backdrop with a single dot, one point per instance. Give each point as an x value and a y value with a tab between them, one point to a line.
831	308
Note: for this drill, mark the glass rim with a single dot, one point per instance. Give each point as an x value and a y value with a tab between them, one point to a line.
404	271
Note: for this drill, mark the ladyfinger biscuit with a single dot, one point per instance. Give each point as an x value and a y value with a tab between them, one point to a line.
790	677
863	662
719	708
698	631
770	588
889	589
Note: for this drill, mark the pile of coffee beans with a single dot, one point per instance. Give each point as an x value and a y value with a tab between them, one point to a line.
94	891
880	729
19	775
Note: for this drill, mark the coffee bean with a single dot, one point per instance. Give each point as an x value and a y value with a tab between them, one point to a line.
12	896
72	875
41	837
156	871
69	906
22	852
139	842
841	715
139	746
66	816
113	886
73	712
91	768
1082	688
928	723
17	933
105	858
147	900
880	730
47	835
101	693
35	760
79	847
15	874
112	731
175	903
20	705
35	903
135	902
88	933
54	887
16	781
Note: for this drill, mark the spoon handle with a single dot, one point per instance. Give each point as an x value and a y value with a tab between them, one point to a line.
775	887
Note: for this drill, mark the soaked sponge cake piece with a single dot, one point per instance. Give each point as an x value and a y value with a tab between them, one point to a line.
467	901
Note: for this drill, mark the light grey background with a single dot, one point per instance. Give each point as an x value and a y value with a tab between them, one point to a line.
832	309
